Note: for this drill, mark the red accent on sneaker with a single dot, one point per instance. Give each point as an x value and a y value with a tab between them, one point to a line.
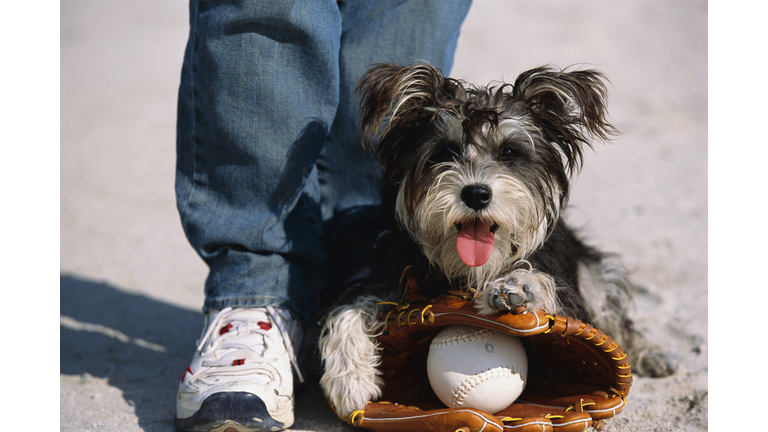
225	329
265	325
238	362
184	375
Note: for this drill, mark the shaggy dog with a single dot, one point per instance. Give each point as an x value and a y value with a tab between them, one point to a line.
475	184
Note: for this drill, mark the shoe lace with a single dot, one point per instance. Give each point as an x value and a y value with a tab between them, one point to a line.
235	331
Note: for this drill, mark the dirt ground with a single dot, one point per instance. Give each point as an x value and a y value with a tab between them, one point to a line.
131	286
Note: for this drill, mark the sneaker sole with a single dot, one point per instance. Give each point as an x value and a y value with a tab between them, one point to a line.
230	412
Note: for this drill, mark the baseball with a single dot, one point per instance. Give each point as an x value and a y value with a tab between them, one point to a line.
471	367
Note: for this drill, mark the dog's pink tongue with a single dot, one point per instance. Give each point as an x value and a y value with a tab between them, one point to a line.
475	243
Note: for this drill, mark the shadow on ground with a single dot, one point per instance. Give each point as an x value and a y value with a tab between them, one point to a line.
138	344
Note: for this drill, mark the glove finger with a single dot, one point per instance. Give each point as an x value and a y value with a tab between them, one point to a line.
571	422
389	417
528	424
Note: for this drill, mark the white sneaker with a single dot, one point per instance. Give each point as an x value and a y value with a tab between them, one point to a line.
240	376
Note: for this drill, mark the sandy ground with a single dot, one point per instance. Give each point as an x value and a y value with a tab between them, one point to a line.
131	287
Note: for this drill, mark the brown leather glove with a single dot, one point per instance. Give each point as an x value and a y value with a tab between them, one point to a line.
577	375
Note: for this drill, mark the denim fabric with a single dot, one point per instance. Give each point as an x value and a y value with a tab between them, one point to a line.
269	160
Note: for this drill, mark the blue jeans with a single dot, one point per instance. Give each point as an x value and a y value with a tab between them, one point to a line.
271	175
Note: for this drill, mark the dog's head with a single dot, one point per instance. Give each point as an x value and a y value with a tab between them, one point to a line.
481	174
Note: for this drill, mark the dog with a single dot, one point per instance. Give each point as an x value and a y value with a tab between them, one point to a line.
475	183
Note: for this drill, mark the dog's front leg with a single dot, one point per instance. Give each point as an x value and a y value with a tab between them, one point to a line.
350	357
525	287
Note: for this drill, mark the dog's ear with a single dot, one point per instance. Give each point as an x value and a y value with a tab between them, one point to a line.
388	94
571	107
396	100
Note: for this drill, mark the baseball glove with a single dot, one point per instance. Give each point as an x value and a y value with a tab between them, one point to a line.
578	376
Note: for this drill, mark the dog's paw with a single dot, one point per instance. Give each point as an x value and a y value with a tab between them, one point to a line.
509	294
526	288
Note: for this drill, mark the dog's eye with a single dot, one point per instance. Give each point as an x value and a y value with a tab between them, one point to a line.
509	153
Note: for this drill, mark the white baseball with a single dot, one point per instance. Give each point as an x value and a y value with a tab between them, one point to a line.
471	367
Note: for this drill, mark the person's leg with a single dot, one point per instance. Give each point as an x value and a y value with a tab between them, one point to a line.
387	31
258	95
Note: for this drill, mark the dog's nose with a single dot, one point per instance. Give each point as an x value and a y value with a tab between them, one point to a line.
476	196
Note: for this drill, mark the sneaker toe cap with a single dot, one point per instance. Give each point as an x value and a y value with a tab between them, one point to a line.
241	408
